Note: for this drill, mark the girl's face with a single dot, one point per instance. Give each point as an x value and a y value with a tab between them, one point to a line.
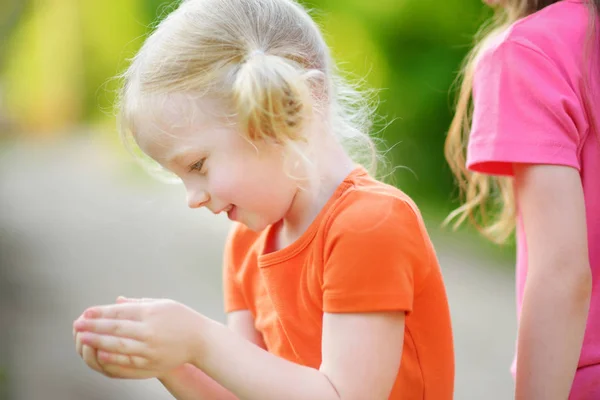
220	169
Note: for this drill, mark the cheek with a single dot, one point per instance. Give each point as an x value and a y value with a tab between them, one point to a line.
255	186
234	183
223	186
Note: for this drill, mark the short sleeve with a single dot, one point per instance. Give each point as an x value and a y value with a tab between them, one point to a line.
372	253
525	111
232	289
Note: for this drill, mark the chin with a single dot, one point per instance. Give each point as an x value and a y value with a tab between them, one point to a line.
255	223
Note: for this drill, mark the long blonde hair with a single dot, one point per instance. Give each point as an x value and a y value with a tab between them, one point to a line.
266	58
489	201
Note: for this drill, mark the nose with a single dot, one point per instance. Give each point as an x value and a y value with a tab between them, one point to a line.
197	199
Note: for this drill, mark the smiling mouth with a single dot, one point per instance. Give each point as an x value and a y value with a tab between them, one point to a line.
223	210
231	212
226	210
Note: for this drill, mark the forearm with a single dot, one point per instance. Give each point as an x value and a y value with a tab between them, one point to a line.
552	327
253	373
189	383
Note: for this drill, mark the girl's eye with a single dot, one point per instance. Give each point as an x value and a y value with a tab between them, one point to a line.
197	166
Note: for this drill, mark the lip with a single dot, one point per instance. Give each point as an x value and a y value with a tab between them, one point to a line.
225	210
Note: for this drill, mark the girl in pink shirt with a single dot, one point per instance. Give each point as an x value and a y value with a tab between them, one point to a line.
533	160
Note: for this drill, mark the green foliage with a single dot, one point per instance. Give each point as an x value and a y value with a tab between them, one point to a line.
412	50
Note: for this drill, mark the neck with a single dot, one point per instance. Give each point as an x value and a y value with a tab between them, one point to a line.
330	166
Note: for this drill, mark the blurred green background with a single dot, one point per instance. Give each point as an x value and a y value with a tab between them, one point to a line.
81	223
58	58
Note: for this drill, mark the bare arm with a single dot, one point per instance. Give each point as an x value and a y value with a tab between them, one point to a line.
558	287
361	358
361	353
189	383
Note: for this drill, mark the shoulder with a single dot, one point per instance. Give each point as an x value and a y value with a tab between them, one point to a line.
375	237
375	212
557	33
559	22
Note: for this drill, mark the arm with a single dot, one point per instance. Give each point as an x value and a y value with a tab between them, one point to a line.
558	286
189	383
361	358
361	352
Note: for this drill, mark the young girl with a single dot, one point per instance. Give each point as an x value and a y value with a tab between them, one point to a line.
332	286
535	86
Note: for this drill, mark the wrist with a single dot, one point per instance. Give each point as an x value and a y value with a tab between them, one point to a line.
199	342
172	374
175	374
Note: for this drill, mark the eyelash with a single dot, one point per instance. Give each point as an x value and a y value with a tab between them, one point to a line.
198	166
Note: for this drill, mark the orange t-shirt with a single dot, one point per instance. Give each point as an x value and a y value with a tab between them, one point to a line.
366	251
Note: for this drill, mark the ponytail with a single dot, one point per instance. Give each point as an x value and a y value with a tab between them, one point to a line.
272	98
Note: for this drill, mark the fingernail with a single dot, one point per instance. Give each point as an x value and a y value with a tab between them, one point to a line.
79	325
103	355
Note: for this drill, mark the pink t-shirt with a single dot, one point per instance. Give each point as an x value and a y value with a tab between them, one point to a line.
531	103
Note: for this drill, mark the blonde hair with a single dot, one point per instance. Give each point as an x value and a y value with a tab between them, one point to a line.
489	201
266	58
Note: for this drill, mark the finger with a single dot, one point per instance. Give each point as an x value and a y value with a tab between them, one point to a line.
116	371
113	344
89	356
123	300
80	317
74	322
113	327
130	311
78	345
105	359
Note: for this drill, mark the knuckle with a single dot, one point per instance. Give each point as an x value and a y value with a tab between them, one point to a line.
121	345
145	334
124	360
116	329
141	362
